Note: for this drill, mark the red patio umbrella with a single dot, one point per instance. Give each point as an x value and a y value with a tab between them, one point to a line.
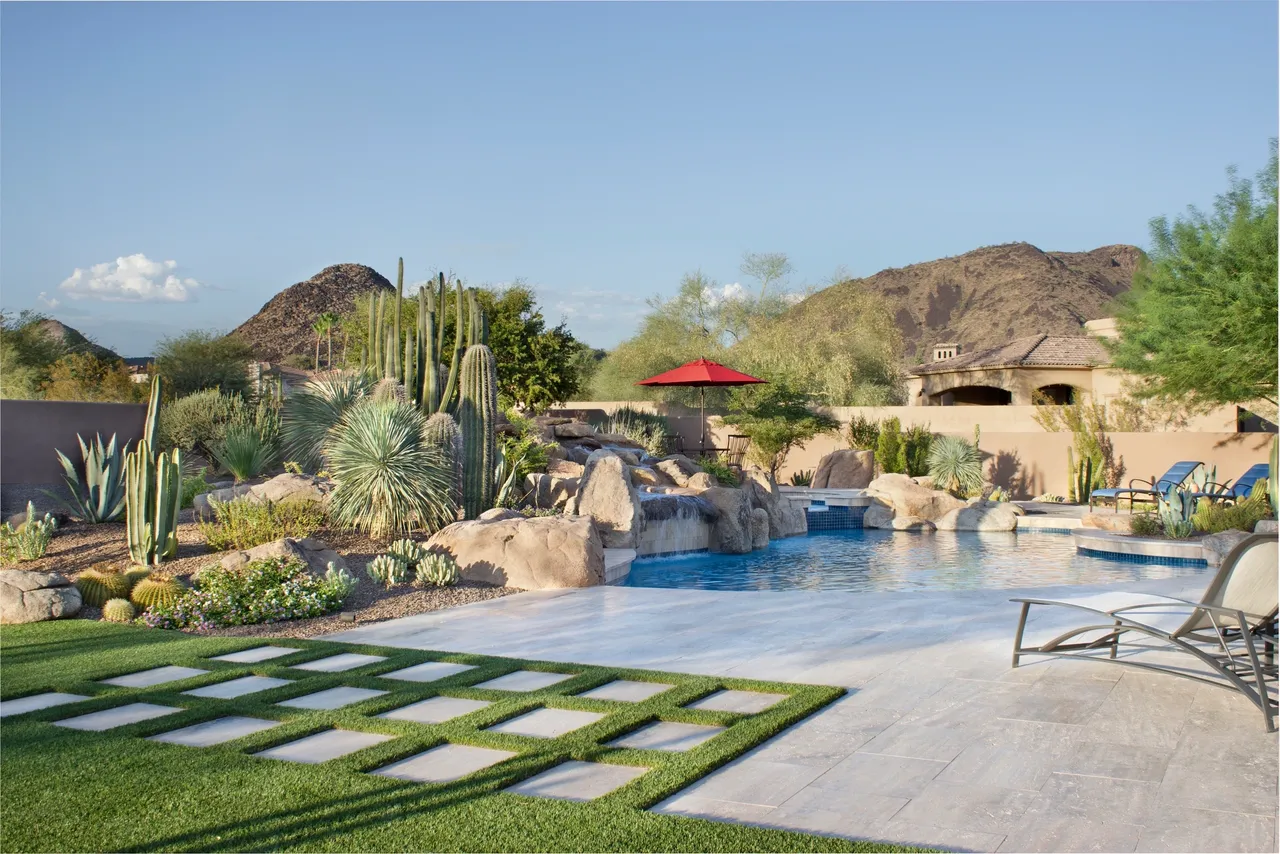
699	374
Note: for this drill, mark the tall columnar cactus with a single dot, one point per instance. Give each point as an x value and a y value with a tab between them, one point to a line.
1072	498
152	423
396	321
478	420
153	496
1084	480
441	432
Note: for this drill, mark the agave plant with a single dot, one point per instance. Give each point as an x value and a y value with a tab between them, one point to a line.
244	452
100	496
954	464
388	479
314	409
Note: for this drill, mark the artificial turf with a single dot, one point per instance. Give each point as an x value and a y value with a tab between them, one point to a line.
67	790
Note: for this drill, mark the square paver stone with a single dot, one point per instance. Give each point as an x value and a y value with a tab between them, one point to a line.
742	702
627	691
340	662
258	653
546	723
119	716
333	698
214	732
444	764
577	781
324	746
154	676
524	680
668	735
35	702
238	687
436	710
428	671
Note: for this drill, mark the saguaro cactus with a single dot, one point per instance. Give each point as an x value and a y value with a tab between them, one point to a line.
441	432
478	418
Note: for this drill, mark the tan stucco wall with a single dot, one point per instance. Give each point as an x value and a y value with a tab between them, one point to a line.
1021	383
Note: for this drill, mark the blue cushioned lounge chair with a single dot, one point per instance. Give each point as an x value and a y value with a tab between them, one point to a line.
1175	476
1237	491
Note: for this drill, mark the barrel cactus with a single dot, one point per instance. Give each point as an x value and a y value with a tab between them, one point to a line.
150	592
436	570
118	611
136	574
96	586
478	420
387	570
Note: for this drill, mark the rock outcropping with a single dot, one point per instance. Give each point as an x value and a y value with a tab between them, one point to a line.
606	494
33	597
845	469
531	554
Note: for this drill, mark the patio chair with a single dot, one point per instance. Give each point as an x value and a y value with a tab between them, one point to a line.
1237	491
1228	637
674	443
1175	476
736	452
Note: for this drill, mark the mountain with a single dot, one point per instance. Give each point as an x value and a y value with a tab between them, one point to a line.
283	326
986	297
73	339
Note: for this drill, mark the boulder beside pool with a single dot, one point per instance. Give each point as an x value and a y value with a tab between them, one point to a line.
540	553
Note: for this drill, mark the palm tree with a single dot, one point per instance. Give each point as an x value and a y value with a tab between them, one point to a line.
319	328
331	320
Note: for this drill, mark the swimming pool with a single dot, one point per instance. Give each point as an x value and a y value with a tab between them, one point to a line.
866	560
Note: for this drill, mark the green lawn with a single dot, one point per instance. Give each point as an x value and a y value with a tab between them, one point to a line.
67	790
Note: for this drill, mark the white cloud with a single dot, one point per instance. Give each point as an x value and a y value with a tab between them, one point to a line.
133	278
49	302
726	293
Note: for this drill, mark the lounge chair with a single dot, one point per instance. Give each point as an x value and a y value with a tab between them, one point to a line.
1229	636
1175	476
1237	491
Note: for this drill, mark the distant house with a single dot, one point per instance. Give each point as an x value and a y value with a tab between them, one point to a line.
139	368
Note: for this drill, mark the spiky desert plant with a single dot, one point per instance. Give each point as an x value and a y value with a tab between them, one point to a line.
340	580
96	586
388	479
99	497
244	452
118	611
954	464
389	391
407	550
136	574
30	539
441	432
311	411
152	501
436	570
478	420
387	570
150	592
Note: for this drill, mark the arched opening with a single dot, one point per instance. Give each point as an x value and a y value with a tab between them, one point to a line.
972	395
1057	394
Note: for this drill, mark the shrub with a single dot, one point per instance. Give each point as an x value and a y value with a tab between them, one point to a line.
436	570
643	428
891	452
916	444
265	591
30	540
243	524
388	477
776	417
193	485
1213	517
201	360
314	409
83	376
387	570
863	433
954	465
718	469
1145	525
999	494
803	477
244	452
520	457
198	422
540	512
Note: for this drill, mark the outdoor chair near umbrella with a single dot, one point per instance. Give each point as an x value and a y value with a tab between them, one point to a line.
700	374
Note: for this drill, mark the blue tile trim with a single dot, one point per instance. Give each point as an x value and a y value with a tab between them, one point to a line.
835	518
1021	531
1128	558
671	554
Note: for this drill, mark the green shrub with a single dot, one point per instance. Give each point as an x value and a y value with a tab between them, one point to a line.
891	451
863	433
194	485
718	469
265	591
1145	525
803	477
343	582
29	540
198	422
916	444
520	458
244	451
243	524
954	465
1214	517
644	428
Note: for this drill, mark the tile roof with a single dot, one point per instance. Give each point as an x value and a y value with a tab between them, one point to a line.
1032	351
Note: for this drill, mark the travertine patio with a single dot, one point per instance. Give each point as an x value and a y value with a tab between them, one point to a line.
939	742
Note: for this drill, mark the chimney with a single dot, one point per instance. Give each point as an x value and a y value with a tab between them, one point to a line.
945	351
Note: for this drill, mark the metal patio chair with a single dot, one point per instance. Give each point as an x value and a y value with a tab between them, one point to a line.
1229	637
1175	476
734	455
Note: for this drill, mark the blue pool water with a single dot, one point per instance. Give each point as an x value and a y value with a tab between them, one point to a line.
864	560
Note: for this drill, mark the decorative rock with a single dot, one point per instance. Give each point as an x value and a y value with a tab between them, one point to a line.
679	468
499	514
531	554
1117	522
573	430
605	493
201	502
32	597
702	481
1216	546
907	498
564	468
293	487
627	457
926	481
548	492
911	523
555	452
1266	526
316	554
879	516
981	516
844	469
731	533
759	528
640	475
785	518
620	440
578	454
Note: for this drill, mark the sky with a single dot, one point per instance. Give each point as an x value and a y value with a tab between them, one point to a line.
171	166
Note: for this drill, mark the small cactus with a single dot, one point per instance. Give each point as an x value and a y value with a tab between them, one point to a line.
387	570
150	592
342	581
118	611
136	574
436	570
96	586
407	550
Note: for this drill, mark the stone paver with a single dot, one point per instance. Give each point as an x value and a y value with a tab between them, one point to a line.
324	746
546	723
524	680
577	781
233	688
256	654
338	663
741	702
668	735
626	691
332	698
428	671
35	702
444	764
119	716
215	731
435	710
154	676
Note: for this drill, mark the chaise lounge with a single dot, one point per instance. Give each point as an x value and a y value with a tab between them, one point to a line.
1228	637
1175	476
1240	489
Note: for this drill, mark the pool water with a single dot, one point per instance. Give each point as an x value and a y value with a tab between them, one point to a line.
866	560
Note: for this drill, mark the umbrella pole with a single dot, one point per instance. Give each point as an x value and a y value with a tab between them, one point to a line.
702	419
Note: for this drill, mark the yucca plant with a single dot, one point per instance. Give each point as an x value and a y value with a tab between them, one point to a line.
311	411
100	496
244	452
954	464
388	478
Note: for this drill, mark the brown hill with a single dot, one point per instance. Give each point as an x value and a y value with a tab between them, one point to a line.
283	326
988	296
73	339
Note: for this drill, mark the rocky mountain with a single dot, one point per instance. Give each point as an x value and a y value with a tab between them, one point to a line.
283	326
73	339
988	296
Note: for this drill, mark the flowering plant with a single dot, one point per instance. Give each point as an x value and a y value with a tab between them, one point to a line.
265	591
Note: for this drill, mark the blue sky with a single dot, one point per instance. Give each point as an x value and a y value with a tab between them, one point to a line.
599	151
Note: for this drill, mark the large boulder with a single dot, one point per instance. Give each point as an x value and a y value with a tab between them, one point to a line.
573	430
759	528
531	554
282	487
564	468
731	533
578	454
606	494
908	498
1216	546
33	597
548	492
981	516
679	468
316	554
844	469
201	502
700	481
1266	526
785	518
645	476
879	516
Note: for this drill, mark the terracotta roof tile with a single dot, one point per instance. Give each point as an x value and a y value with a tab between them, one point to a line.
1034	350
